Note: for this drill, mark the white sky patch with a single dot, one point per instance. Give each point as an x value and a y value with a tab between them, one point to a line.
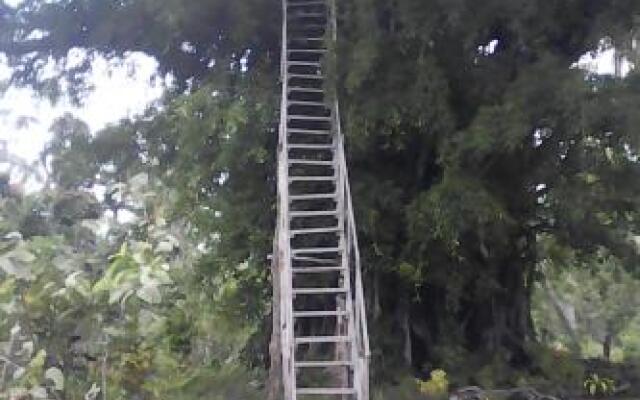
13	3
603	63
121	91
489	48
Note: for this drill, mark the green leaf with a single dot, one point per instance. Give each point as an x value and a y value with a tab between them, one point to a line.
93	392
55	375
150	294
18	270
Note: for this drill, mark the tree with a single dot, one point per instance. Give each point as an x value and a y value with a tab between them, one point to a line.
471	133
463	157
595	299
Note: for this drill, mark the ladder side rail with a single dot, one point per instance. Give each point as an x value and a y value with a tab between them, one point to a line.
352	310
347	246
286	307
360	316
354	324
355	248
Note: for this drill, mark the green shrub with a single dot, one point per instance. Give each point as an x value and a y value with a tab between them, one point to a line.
596	385
437	387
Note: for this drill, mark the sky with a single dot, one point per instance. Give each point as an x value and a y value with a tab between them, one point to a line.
118	94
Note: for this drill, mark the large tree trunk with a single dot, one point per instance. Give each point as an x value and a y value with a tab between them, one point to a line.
405	326
490	315
499	320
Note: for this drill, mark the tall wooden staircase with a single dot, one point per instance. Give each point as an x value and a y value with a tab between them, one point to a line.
323	327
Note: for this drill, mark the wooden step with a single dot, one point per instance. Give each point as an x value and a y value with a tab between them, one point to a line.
300	15
308	118
307	103
303	63
322	364
304	146
330	178
305	38
310	162
304	89
325	391
317	250
312	196
310	214
307	3
316	260
308	131
317	77
318	314
306	51
298	26
316	270
322	339
312	291
312	231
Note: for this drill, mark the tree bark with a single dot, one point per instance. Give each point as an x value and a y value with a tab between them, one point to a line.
498	306
405	325
606	346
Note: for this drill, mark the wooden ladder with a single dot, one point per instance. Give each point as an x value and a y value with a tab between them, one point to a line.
325	349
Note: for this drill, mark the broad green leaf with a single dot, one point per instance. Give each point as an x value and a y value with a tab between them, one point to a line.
93	392
55	375
64	263
71	281
150	294
119	292
22	255
16	269
7	287
138	183
38	361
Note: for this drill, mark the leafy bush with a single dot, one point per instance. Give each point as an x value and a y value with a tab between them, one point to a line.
596	385
437	387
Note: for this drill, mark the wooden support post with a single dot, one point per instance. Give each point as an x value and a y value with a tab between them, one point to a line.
274	381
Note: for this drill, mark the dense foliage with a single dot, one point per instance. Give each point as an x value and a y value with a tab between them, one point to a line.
484	165
96	307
